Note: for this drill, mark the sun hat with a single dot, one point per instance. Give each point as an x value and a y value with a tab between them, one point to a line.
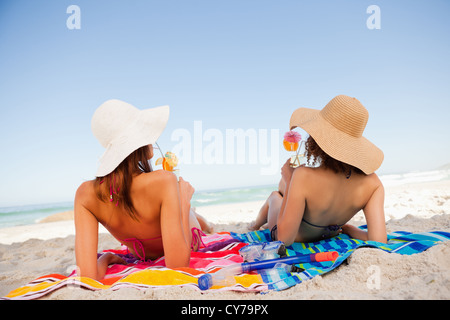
338	129
122	128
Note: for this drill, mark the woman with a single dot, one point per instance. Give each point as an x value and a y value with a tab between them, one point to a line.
148	211
316	202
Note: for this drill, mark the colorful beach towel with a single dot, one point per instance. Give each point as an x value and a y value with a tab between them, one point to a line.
400	242
220	250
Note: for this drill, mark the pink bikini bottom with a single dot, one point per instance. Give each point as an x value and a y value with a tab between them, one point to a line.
195	244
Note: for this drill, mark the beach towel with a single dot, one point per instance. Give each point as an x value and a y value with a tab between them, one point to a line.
220	250
217	251
400	242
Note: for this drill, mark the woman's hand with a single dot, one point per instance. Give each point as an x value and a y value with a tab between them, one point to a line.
186	190
110	258
104	261
287	171
354	232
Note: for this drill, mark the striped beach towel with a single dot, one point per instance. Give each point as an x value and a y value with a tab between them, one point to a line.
221	250
400	242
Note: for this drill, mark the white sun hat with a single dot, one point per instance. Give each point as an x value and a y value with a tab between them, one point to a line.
122	128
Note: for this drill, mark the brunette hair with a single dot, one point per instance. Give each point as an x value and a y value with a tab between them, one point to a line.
115	187
319	156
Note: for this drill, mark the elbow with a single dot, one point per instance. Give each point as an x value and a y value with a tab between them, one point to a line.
382	239
287	243
178	261
284	237
378	238
177	264
92	275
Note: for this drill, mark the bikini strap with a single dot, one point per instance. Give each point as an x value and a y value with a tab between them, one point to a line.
197	239
140	245
333	227
329	229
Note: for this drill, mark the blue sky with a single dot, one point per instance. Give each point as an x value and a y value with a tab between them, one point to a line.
229	64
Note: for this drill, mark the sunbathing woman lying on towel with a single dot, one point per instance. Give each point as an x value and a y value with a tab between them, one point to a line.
148	211
314	203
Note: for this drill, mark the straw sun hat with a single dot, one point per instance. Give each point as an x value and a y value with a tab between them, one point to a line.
122	128
338	129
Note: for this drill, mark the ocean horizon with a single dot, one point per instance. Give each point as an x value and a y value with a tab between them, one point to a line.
12	216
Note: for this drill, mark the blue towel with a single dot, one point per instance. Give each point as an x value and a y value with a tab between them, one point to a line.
400	242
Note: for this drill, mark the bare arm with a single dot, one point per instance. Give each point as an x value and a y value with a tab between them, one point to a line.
374	213
186	193
292	208
174	225
86	242
86	238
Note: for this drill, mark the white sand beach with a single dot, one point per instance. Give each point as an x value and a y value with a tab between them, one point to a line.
28	252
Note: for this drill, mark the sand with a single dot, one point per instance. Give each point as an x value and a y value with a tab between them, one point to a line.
27	252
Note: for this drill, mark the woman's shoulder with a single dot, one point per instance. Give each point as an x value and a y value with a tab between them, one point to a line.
367	185
85	193
304	172
320	175
157	177
156	181
85	189
374	182
372	179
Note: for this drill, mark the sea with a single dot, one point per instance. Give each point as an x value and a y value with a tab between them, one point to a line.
30	214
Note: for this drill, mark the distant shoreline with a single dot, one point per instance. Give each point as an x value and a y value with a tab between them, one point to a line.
63	211
60	216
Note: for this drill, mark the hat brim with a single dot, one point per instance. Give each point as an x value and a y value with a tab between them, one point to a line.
356	151
145	130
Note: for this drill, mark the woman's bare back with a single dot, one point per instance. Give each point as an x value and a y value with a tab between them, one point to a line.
332	199
317	198
147	194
